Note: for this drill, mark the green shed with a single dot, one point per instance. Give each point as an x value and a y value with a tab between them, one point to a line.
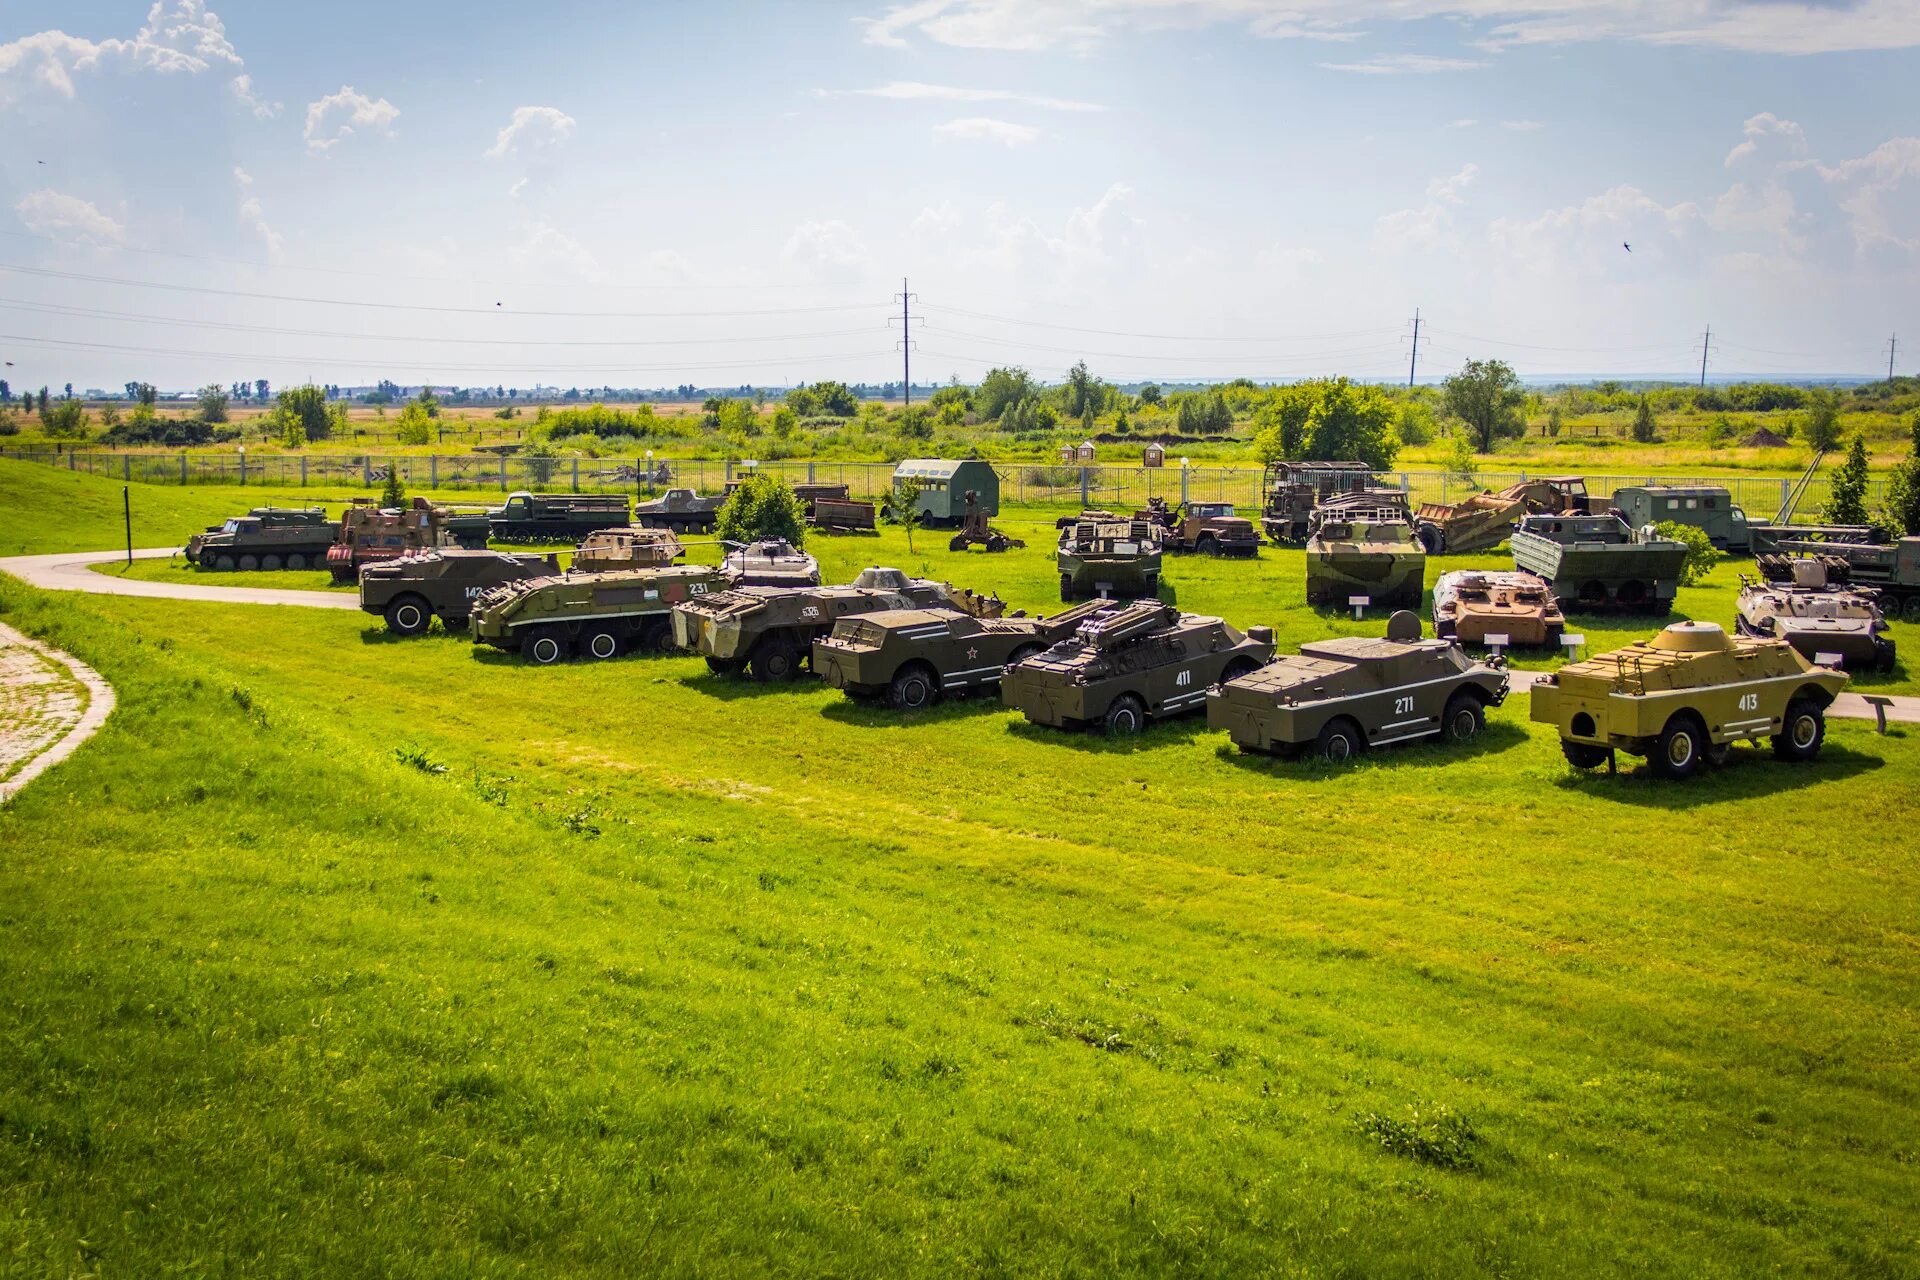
944	485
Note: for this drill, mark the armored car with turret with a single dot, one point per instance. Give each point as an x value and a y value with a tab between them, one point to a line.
1808	602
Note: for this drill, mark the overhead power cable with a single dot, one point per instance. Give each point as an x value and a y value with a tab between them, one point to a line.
1155	337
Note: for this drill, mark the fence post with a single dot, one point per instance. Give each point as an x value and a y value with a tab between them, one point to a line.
303	471
503	473
69	459
126	466
1083	488
1183	480
183	467
576	474
366	472
433	468
809	470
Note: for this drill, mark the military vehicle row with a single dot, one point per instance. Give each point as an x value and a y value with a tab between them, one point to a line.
916	657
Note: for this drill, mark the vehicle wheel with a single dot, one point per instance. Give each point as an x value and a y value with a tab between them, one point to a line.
1433	538
774	659
657	637
296	561
248	563
1127	715
1681	746
1911	609
1024	652
269	563
459	622
1208	546
1583	755
1066	586
1237	668
544	646
223	564
914	687
1802	732
600	644
1464	718
1552	638
1339	740
1719	755
408	616
958	542
724	666
1593	594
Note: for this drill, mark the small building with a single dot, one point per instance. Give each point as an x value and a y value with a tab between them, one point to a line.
944	485
1084	454
1154	455
1069	454
1707	507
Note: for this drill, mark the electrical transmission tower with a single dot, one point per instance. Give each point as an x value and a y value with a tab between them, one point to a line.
1413	361
1706	345
905	345
1893	344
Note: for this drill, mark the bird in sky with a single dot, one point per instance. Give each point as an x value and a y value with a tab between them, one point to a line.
1626	246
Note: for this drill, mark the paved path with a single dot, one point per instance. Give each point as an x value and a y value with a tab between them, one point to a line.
50	703
68	571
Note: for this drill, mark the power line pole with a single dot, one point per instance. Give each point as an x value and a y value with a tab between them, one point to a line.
906	341
1706	344
1413	361
1892	344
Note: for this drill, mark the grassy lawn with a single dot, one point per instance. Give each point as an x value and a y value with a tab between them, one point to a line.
334	953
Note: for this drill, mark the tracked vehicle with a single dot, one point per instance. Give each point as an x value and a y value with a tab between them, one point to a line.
1471	604
556	517
681	510
1808	603
443	583
1597	562
1123	668
266	538
632	547
592	615
770	562
1344	695
1891	568
1208	528
1362	544
370	534
1108	556
1683	698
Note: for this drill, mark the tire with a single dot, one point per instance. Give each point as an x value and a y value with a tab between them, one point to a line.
1552	638
774	659
656	637
724	666
1464	719
600	643
1208	546
915	687
296	561
269	563
1127	715
1024	652
249	562
408	616
545	646
1433	538
223	564
1339	741
456	622
1583	755
1911	609
958	542
1678	751
1802	732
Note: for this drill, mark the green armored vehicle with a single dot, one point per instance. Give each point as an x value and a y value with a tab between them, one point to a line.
1685	697
769	631
1344	695
917	656
1363	544
1808	603
681	510
266	538
1600	562
1892	568
1294	489
554	517
596	615
413	590
1103	555
1121	668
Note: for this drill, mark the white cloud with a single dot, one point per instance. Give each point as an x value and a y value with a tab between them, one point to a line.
1404	64
1522	126
984	129
1427	225
533	131
54	213
262	109
825	249
183	37
513	192
1287	263
254	216
1462	124
916	91
549	251
1880	194
323	132
1762	128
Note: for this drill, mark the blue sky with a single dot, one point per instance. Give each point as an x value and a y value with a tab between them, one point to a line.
586	193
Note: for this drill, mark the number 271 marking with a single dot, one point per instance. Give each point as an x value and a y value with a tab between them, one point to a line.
1401	706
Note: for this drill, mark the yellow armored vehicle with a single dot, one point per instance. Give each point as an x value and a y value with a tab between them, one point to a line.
1685	697
630	547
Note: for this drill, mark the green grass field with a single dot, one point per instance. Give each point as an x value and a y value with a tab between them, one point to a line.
340	954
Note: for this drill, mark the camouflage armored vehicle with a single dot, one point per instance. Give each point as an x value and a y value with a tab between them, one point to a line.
633	547
1121	668
1599	562
1891	568
555	517
1344	695
1210	528
1685	697
1294	489
1471	604
266	538
681	510
594	615
917	656
415	589
1808	603
769	631
369	534
1358	548
1113	557
770	562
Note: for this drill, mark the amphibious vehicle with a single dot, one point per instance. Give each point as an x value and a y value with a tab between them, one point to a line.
1808	603
1471	604
266	538
770	562
595	615
681	510
1599	562
1360	547
1101	556
412	591
631	547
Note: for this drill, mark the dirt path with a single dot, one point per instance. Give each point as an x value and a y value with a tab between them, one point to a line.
68	571
50	703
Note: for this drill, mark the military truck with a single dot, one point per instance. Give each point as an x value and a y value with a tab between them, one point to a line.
412	591
1486	518
1891	568
1709	508
1108	557
1344	695
632	547
595	615
917	656
556	517
369	534
1809	603
1294	489
1209	528
681	510
1471	604
770	562
768	632
1685	697
265	538
1599	562
1358	549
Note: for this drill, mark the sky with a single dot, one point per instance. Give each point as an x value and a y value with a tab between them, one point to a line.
587	193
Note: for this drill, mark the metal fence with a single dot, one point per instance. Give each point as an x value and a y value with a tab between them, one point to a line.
1123	488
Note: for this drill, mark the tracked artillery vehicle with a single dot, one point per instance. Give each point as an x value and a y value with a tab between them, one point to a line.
1114	557
1683	698
592	615
1808	603
443	583
1362	544
266	538
1596	562
1344	695
1123	668
632	547
1471	604
1294	489
1207	528
770	562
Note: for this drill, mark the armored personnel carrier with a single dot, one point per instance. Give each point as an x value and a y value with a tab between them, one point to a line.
1685	697
770	562
1294	489
1800	601
917	656
1471	604
1363	545
633	547
1891	568
266	538
1600	562
769	631
594	615
412	591
554	517
1209	528
1121	668
1344	695
1102	556
681	510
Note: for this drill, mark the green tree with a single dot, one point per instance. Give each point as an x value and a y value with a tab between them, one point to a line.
542	461
802	402
1352	422
213	403
148	393
1083	394
1902	511
761	506
1847	493
834	399
1001	390
307	405
428	402
413	426
1486	395
897	507
1414	427
1702	555
1552	427
66	420
1645	428
392	494
1150	394
784	423
1280	422
1822	426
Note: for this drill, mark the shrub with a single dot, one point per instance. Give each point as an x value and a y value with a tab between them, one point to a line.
414	425
761	507
1701	553
1439	1137
542	460
66	420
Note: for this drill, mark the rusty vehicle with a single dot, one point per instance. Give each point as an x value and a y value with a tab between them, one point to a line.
555	517
265	538
1683	698
1891	568
369	534
1208	528
770	562
1126	667
1294	489
681	510
631	547
1348	694
1115	557
915	657
1809	603
828	506
443	583
592	615
976	532
768	632
1471	604
1599	562
1363	545
1486	519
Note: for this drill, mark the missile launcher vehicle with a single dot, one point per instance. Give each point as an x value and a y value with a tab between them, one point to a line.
1683	698
1891	568
1362	544
1344	695
631	547
1600	562
1808	603
266	538
770	562
595	615
1125	667
412	591
1108	556
1471	604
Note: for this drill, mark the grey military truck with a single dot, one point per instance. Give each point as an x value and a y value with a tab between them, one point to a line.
443	583
917	656
1600	562
266	538
681	510
593	615
1120	669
